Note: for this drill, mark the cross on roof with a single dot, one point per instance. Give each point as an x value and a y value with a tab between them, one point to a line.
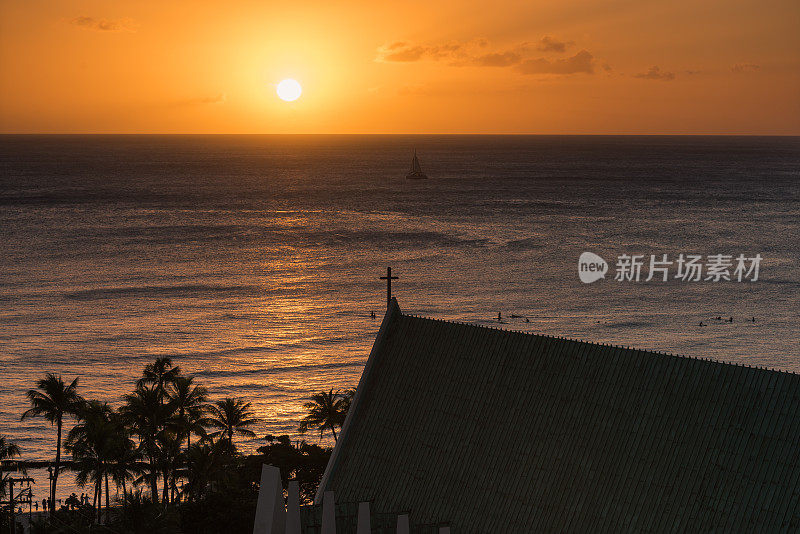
388	279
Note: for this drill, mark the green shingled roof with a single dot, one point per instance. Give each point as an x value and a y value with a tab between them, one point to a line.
498	431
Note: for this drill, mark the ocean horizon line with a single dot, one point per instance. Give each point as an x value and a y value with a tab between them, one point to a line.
378	134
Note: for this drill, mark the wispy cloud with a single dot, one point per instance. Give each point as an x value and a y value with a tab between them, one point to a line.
526	57
655	73
550	44
582	62
745	67
497	59
406	52
104	25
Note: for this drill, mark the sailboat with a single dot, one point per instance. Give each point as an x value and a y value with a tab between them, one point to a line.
416	171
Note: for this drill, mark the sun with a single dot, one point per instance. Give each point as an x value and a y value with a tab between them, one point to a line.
289	90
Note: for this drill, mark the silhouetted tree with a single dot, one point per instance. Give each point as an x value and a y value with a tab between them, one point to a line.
125	463
303	461
8	450
91	442
189	402
205	464
326	410
347	399
145	417
230	416
53	399
160	373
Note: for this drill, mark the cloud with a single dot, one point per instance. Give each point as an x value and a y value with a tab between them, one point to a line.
404	52
582	62
549	44
745	67
478	53
104	25
497	59
655	73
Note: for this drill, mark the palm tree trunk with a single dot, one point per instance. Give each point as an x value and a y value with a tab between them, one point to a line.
124	493
57	466
181	415
98	493
108	507
165	474
333	429
153	482
165	489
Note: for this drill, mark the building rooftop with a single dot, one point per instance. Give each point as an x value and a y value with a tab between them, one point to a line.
499	431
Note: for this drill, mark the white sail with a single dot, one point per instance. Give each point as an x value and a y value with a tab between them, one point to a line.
415	168
416	171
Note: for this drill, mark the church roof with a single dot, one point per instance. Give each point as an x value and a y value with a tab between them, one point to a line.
499	431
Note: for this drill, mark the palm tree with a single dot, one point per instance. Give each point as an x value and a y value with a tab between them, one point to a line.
231	416
189	401
125	460
53	401
347	399
160	373
205	464
145	416
169	458
324	412
8	449
91	443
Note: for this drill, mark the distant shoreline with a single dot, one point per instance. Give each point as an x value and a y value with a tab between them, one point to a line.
16	465
10	466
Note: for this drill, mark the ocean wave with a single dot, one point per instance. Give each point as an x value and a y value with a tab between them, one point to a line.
212	355
530	243
278	370
396	238
274	390
281	235
185	290
629	324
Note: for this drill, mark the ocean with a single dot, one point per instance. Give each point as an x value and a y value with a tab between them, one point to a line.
254	261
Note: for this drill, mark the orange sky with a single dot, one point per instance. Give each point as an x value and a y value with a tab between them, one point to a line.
507	66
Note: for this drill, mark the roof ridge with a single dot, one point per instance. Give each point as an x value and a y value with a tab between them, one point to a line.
598	344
